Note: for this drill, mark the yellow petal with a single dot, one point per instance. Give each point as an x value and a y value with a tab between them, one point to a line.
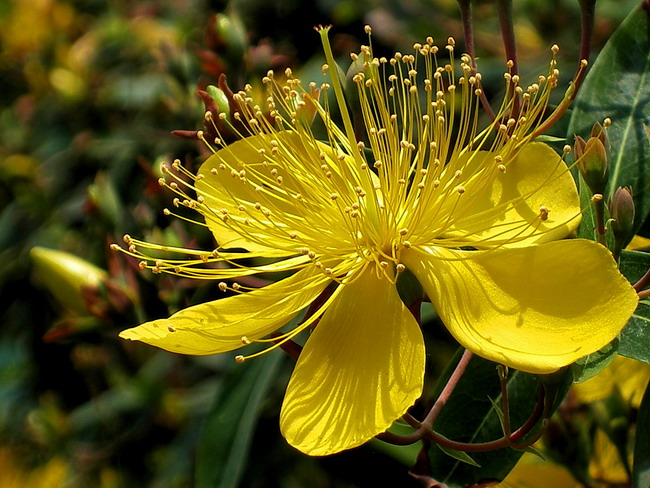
219	326
361	369
639	242
510	209
280	173
535	309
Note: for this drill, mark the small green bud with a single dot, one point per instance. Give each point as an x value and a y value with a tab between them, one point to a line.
593	162
219	98
621	210
67	277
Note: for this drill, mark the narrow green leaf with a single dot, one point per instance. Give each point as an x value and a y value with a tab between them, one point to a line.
587	228
641	465
227	434
499	412
618	87
460	455
547	138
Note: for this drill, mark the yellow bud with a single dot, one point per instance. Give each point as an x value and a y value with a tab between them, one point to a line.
66	276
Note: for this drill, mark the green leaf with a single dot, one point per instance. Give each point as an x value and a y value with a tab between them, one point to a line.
588	366
587	228
460	455
499	412
618	87
228	431
641	469
469	416
635	337
634	264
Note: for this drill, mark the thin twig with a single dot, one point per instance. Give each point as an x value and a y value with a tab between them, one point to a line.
448	389
541	410
468	33
600	222
505	405
587	15
643	282
506	22
643	294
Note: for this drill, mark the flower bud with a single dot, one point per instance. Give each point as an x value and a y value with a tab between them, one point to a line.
592	160
599	132
621	210
219	98
67	277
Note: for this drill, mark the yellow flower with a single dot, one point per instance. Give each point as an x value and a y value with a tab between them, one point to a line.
627	376
13	475
533	472
471	214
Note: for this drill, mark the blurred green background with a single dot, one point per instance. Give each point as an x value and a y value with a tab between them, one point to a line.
89	92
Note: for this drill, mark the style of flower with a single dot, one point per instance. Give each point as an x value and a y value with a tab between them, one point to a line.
474	215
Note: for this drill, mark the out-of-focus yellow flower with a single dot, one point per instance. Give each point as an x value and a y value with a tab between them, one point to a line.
627	376
605	465
29	26
639	242
533	472
605	469
13	475
473	216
